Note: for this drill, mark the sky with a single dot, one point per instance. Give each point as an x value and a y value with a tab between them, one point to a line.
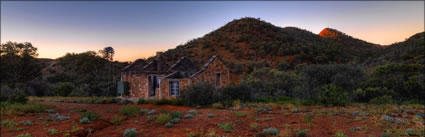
138	29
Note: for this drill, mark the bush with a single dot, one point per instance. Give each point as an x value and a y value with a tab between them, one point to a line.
239	114
175	120
193	112
152	112
176	114
27	123
18	98
217	106
130	110
141	101
12	109
163	118
84	120
168	125
227	127
340	133
144	111
332	95
90	115
201	93
271	131
382	100
187	116
302	132
52	131
210	115
64	88
24	135
116	119
132	132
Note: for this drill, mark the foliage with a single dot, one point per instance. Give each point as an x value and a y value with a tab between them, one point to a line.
382	100
163	118
90	115
193	112
187	116
176	114
52	131
116	119
132	132
340	133
271	131
130	110
239	114
200	93
12	109
24	135
18	98
210	115
10	124
315	77
270	82
141	101
64	88
227	127
217	106
84	120
333	95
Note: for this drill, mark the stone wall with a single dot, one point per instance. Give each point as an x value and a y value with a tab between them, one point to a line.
209	74
165	91
138	84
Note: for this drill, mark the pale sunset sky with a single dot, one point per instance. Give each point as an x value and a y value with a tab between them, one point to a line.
137	29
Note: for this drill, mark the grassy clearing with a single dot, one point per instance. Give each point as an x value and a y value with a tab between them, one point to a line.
20	109
88	100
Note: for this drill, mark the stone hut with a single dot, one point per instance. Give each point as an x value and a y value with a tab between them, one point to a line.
157	79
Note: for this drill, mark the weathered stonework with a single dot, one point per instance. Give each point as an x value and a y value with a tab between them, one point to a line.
140	85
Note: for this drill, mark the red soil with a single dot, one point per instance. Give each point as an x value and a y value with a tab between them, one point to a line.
323	125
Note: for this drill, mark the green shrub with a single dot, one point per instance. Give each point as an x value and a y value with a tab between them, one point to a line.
239	114
168	125
10	124
210	115
116	119
302	132
141	101
382	100
24	135
340	133
333	95
64	88
193	112
152	112
18	98
271	131
84	120
90	115
176	114
132	132
201	93
187	116
130	110
163	118
27	122
52	131
227	127
175	120
144	111
217	106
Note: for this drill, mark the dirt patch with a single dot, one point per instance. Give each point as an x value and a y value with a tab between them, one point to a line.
283	119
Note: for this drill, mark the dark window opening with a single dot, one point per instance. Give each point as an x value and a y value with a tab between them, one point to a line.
217	79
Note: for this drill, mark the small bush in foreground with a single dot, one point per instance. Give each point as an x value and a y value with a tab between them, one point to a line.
187	116
130	110
302	132
217	106
176	114
163	118
10	124
90	115
210	115
193	112
116	119
85	120
239	114
52	131
27	123
332	95
271	131
340	133
24	135
382	100
168	125
130	132
17	109
141	101
227	127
